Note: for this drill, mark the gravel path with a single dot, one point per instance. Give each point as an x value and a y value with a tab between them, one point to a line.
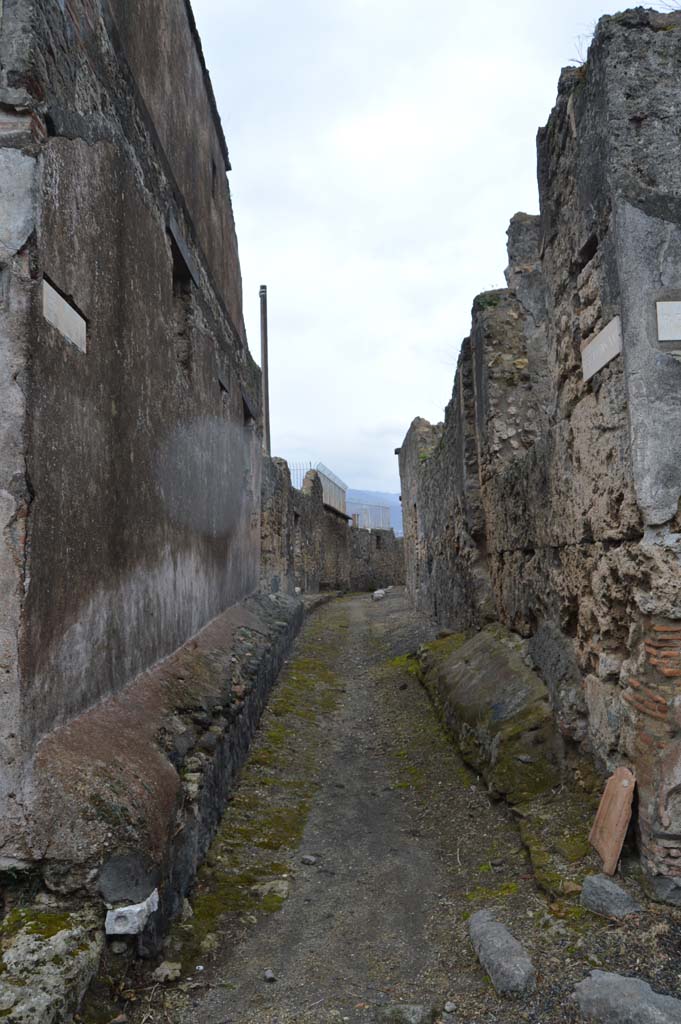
353	773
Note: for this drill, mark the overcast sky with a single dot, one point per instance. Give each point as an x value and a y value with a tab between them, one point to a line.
379	149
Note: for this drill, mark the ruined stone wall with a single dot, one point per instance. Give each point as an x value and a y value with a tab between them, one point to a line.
307	545
376	559
572	521
129	438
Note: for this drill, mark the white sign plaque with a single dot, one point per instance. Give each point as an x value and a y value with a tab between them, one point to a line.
669	321
605	346
62	315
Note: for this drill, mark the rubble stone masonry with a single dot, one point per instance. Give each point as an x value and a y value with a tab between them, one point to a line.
549	497
309	546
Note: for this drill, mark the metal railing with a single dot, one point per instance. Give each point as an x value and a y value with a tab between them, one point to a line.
370	517
298	471
335	490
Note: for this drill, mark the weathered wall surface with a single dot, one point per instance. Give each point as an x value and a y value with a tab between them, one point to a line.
129	443
376	559
561	517
158	761
305	544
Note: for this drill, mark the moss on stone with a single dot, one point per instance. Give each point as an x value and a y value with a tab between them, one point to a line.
271	804
487	300
492	892
406	663
555	832
518	780
271	903
27	919
573	847
441	648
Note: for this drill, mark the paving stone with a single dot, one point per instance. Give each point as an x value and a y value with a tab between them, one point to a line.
509	967
603	896
614	999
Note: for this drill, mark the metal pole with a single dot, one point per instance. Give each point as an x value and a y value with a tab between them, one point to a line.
264	365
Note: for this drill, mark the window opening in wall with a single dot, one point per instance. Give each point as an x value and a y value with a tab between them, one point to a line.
184	275
378	543
182	280
585	255
214	178
184	267
249	410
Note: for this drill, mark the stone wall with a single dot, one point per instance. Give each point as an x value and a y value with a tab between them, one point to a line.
549	498
129	437
307	545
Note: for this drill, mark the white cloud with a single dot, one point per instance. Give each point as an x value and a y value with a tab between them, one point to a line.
380	148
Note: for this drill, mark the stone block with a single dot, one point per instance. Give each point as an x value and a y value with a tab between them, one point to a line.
127	878
131	920
607	998
17	199
496	708
509	967
603	896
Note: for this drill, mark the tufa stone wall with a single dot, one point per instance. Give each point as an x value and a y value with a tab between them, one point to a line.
129	438
549	497
308	545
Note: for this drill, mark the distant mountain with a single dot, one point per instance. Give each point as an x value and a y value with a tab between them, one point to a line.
392	501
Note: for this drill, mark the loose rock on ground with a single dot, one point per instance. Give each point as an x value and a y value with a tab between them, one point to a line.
603	896
612	999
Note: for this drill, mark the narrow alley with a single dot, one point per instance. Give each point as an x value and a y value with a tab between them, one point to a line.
340	684
355	849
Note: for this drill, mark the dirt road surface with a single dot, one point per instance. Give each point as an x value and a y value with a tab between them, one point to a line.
355	849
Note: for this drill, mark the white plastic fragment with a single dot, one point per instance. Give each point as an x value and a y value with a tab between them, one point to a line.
131	920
